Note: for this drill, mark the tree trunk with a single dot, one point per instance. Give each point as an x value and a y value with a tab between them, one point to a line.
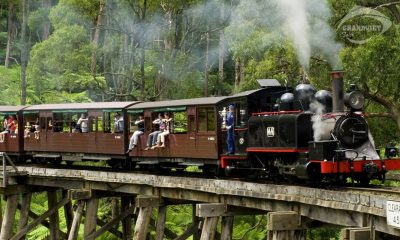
9	33
46	26
24	49
206	69
96	38
239	73
221	55
143	53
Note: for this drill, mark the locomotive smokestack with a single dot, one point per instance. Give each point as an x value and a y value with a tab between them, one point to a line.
337	91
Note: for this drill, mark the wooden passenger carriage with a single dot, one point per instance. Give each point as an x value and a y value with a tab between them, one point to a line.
198	136
57	139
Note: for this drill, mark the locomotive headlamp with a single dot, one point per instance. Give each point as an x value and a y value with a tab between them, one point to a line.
391	150
354	99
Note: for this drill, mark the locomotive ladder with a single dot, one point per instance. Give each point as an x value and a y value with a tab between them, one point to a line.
5	158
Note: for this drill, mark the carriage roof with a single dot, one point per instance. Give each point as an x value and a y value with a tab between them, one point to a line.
81	106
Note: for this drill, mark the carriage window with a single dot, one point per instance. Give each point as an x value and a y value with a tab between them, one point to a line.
60	122
180	122
206	119
100	126
92	124
210	119
111	124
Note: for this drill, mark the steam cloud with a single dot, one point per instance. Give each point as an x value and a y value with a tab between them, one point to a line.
303	22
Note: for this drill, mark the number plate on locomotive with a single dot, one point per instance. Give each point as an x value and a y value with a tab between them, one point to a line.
393	213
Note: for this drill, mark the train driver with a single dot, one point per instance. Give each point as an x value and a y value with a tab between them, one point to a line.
230	122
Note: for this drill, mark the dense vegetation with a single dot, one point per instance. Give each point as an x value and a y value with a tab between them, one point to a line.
107	50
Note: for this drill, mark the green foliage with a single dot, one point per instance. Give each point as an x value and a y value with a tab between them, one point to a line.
10	86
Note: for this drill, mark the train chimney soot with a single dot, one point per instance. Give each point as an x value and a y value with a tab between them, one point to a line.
337	90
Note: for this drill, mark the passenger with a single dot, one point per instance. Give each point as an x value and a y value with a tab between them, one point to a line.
36	128
152	140
15	125
137	133
83	123
230	121
10	128
5	122
75	128
168	128
28	129
12	124
118	123
57	126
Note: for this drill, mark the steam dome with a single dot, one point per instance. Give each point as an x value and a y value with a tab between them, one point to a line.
325	98
304	94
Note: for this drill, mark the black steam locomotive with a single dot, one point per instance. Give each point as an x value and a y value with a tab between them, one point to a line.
311	136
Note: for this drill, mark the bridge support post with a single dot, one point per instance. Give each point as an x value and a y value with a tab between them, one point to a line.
285	225
227	227
127	221
160	225
68	214
361	233
145	205
197	224
91	217
54	219
9	217
73	233
24	210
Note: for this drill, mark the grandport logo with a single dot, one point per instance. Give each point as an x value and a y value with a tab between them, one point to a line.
362	23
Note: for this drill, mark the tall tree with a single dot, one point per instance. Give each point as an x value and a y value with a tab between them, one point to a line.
9	33
24	49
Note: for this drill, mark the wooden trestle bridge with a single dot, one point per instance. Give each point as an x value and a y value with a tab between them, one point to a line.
290	209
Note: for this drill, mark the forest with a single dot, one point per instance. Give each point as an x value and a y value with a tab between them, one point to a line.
57	51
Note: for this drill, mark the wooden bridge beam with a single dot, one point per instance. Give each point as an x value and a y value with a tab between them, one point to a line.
9	217
285	225
360	233
126	203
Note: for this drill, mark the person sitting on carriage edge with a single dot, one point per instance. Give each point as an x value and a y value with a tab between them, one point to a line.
230	121
118	123
137	133
152	140
168	129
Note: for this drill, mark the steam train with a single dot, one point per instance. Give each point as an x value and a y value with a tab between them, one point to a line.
280	132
